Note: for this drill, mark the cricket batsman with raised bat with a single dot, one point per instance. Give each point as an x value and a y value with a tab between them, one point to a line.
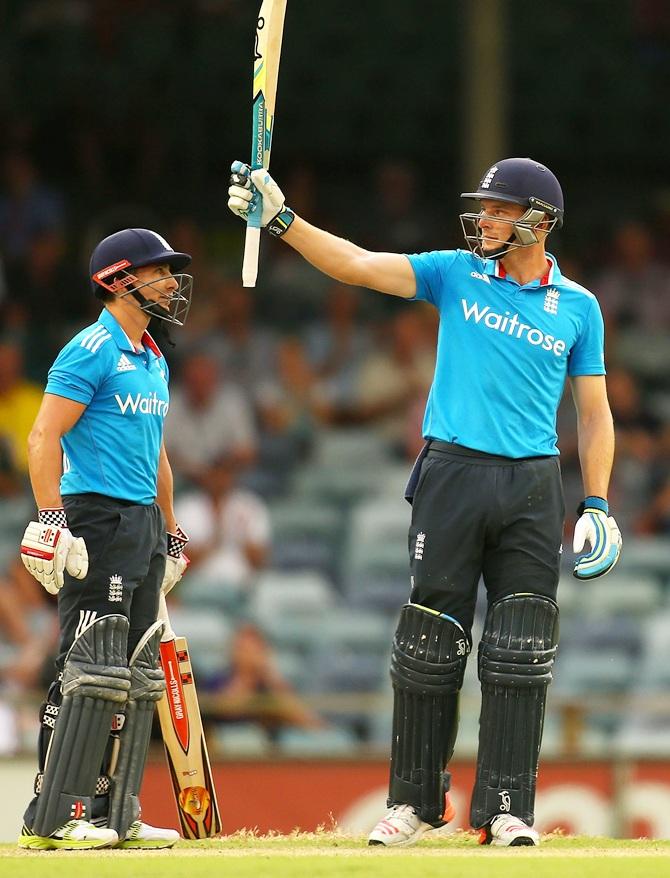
486	490
106	543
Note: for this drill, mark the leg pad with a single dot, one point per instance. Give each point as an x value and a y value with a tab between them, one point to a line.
96	680
428	662
147	684
516	655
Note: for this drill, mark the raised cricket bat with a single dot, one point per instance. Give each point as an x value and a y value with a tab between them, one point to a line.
184	739
267	52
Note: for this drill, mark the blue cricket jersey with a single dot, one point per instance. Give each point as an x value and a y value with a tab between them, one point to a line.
504	351
114	447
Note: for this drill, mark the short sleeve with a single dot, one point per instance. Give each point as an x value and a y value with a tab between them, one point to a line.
431	270
76	374
587	356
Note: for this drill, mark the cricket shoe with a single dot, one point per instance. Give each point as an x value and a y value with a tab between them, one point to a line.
403	826
141	836
508	831
75	835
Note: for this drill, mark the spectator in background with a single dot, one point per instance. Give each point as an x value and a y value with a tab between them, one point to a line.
20	400
45	282
29	626
27	208
656	517
253	689
399	212
209	418
392	377
290	407
229	530
634	290
337	343
247	350
293	400
638	430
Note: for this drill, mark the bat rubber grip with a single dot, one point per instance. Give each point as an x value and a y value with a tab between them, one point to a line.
250	264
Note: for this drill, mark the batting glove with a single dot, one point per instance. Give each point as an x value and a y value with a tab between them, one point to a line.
247	187
176	561
48	548
601	532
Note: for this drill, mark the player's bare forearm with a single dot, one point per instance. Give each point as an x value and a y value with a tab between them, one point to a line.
595	429
165	491
45	463
596	452
348	263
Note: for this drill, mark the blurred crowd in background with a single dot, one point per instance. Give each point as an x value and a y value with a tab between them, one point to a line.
296	407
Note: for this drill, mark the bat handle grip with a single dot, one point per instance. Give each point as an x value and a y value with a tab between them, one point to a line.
168	633
250	264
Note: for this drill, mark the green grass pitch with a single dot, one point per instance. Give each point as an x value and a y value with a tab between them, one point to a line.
329	854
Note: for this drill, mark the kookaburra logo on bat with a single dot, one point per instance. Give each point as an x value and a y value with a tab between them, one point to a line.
259	27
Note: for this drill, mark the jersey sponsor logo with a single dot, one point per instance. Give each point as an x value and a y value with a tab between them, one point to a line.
124	364
479	276
509	324
95	339
551	301
144	405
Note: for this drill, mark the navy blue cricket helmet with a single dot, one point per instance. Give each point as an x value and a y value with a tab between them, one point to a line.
520	181
113	259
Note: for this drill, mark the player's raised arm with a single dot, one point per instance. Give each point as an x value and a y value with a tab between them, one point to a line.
341	259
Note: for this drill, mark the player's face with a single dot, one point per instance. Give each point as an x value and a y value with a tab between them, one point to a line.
495	222
160	284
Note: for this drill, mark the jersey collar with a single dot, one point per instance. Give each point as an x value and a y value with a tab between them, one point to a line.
122	341
551	276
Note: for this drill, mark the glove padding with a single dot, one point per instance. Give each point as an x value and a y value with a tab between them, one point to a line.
48	550
176	561
600	530
247	187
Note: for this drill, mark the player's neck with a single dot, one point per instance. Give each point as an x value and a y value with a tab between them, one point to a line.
133	321
526	264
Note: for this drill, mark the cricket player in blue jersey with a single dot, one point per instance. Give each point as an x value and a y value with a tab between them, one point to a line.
486	490
105	542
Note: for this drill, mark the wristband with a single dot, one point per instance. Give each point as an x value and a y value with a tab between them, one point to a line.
53	516
176	543
598	503
280	224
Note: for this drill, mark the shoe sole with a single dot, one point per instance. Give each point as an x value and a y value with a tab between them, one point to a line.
522	841
38	843
143	845
375	842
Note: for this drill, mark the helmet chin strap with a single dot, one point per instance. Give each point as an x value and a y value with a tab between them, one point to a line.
502	249
149	307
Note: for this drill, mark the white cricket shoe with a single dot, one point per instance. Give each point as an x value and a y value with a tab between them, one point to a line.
400	826
142	836
75	835
505	830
